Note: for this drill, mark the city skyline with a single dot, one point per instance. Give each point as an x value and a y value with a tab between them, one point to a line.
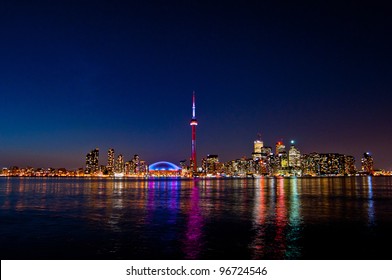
118	75
263	161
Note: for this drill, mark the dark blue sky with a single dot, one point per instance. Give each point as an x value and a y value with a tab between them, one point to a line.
75	75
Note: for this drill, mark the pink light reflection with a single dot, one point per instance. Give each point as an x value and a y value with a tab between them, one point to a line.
193	235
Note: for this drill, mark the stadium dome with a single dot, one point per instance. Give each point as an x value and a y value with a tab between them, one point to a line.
164	168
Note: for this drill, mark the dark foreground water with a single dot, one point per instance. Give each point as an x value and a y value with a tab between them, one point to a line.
314	218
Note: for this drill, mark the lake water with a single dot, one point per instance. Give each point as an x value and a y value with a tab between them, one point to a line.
304	218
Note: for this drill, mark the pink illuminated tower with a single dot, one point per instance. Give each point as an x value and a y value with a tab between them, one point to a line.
193	125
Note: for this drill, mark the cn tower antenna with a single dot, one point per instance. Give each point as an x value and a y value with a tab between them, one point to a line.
193	106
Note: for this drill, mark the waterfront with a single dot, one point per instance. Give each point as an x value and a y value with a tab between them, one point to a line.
284	218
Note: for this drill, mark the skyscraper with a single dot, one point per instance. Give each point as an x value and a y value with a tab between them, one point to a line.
367	163
193	124
119	168
294	157
110	165
349	165
258	145
294	160
127	169
280	148
281	155
92	161
211	164
136	164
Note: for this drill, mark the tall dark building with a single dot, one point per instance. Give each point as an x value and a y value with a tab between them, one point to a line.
110	166
135	164
367	163
350	165
281	156
211	164
92	158
119	165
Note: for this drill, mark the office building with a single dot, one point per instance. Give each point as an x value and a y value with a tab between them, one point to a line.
92	159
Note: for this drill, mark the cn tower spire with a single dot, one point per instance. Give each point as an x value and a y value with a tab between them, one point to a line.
193	106
193	125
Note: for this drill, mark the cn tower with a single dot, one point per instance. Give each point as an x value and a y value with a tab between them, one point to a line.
193	125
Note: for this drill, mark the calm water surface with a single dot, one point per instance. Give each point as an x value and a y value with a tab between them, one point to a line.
308	218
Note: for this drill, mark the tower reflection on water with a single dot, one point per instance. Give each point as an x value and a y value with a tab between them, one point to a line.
193	244
371	213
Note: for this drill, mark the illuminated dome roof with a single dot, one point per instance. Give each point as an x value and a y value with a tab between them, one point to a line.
164	166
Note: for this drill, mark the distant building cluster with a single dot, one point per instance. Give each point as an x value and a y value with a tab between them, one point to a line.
115	166
15	171
266	161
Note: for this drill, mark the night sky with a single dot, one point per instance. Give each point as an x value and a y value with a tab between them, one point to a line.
76	75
